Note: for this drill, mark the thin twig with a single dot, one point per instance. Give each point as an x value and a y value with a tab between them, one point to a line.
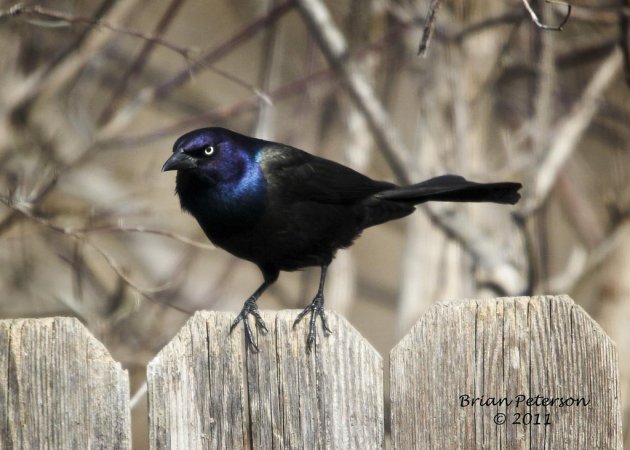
542	103
267	60
429	25
581	263
569	131
38	87
208	59
101	10
541	25
385	133
144	292
112	125
580	209
76	231
280	93
334	46
123	229
151	41
624	39
65	19
48	80
509	18
217	116
138	396
544	89
140	61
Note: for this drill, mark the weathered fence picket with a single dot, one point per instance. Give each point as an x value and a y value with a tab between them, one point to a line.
59	388
206	391
502	351
460	379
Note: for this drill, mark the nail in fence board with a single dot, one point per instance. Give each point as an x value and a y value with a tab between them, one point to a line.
206	391
59	388
497	350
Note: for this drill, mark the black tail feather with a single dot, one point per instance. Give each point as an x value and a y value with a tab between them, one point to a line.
453	188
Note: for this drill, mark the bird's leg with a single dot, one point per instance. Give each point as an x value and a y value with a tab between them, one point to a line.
316	308
250	307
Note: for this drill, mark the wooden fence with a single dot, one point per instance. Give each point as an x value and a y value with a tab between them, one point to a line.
527	373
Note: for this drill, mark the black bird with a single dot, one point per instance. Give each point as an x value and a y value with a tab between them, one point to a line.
284	209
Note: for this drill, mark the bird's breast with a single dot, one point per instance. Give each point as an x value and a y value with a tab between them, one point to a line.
223	208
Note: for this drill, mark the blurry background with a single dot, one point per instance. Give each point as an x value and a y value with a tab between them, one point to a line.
93	94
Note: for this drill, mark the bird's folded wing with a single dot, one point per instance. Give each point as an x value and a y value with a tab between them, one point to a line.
303	176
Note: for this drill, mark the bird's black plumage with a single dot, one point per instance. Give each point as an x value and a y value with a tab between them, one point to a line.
284	209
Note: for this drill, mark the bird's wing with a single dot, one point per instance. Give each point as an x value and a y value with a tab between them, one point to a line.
303	176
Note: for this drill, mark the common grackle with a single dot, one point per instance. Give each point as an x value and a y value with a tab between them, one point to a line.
284	209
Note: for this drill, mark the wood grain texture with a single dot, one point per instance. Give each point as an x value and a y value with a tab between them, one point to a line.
499	349
206	391
59	388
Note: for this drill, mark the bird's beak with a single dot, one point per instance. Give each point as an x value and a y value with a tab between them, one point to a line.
178	161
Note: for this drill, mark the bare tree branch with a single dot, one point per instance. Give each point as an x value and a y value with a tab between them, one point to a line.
569	131
64	19
429	25
581	263
221	50
220	115
47	81
143	291
267	59
138	396
333	45
471	30
141	60
385	133
624	39
103	8
125	229
111	140
541	25
206	61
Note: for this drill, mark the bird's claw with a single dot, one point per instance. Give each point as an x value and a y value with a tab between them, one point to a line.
250	308
316	308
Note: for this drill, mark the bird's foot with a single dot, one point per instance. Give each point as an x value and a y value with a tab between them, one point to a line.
316	308
250	307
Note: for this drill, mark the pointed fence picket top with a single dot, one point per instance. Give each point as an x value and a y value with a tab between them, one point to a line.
60	388
523	373
500	351
206	391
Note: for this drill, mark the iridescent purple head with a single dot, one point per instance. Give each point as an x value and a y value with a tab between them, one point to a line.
216	155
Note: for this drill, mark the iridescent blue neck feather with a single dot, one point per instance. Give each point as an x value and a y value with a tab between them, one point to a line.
226	196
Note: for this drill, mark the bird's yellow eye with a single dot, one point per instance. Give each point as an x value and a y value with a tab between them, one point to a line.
208	150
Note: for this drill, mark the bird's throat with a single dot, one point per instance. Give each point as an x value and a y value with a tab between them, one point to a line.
222	207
